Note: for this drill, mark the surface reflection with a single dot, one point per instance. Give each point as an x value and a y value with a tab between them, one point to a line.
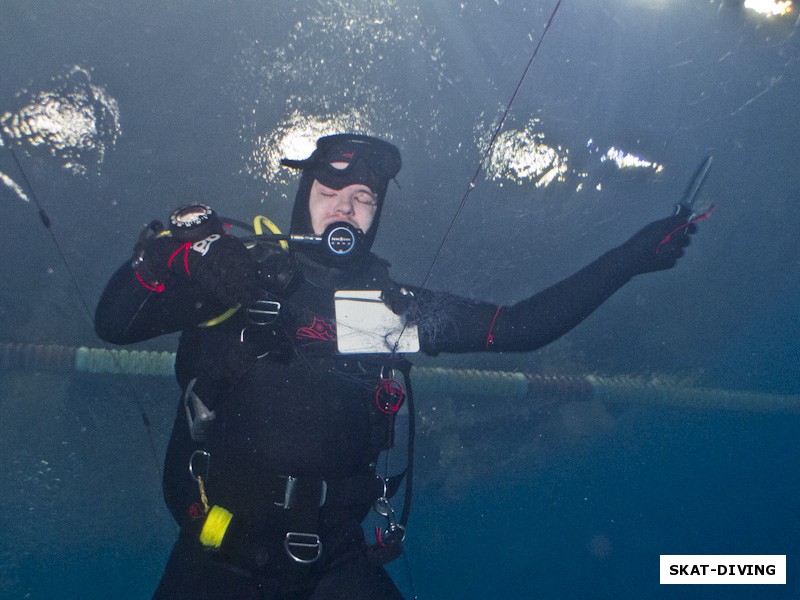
77	123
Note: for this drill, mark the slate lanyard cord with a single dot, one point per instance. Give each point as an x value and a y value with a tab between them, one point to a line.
487	152
42	215
410	395
87	310
409	450
409	475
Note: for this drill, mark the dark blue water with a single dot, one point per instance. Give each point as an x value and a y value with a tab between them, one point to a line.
591	524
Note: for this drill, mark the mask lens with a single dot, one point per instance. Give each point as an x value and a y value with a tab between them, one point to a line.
339	166
341	153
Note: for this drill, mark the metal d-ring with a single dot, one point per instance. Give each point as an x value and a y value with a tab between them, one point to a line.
196	453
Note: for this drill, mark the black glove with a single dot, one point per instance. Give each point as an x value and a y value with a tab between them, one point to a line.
150	256
219	265
401	301
659	245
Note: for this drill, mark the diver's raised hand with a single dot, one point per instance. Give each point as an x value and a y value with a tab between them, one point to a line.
218	265
659	245
224	268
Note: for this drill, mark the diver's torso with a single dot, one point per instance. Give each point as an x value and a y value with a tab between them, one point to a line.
299	408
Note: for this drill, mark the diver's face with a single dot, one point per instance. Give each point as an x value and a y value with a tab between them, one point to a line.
355	204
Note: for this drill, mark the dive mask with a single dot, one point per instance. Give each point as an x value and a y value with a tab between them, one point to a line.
345	159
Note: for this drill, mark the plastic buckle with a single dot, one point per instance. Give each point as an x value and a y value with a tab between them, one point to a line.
288	493
394	533
290	498
198	414
302	542
264	312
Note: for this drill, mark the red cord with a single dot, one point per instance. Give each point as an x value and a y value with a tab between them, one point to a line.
153	287
490	335
394	389
186	246
378	537
668	237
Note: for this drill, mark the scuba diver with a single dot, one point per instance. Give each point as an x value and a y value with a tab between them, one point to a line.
292	365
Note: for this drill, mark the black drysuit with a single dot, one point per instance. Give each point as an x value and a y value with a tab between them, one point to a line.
287	404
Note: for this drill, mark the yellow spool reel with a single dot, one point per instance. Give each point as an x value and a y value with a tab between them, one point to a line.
214	528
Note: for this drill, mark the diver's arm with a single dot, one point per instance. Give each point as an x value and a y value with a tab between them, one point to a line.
549	314
128	312
460	325
175	282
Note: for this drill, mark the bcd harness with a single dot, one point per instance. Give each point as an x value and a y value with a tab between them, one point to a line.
299	500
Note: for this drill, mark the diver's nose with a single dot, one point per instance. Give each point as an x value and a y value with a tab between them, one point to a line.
344	204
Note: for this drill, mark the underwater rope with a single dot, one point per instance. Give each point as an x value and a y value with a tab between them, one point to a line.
618	389
489	147
433	382
134	398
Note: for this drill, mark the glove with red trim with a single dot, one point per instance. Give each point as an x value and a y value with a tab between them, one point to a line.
659	245
219	265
